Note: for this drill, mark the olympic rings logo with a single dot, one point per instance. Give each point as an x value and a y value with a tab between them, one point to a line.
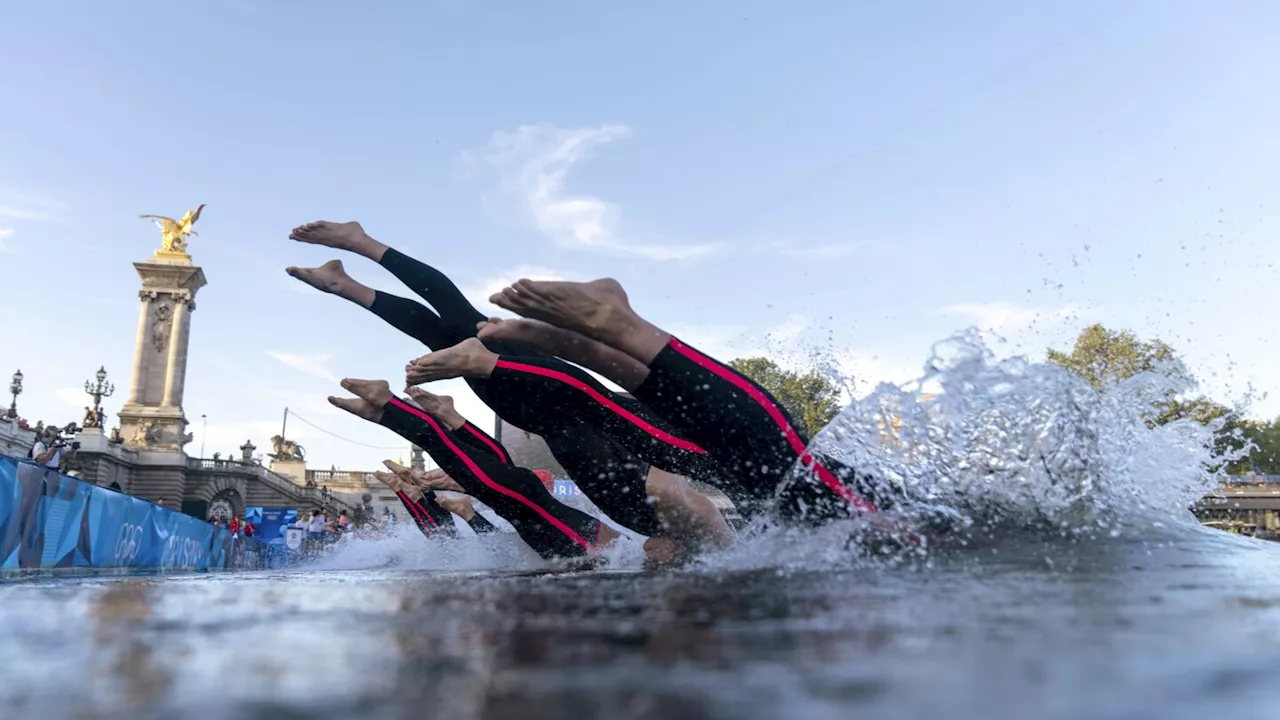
128	543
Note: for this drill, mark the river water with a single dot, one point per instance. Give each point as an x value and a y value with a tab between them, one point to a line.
1072	582
1181	626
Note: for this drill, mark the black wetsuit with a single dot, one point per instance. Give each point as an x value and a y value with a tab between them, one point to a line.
480	525
431	519
749	433
550	527
606	463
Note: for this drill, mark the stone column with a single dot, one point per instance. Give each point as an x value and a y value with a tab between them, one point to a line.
144	313
176	369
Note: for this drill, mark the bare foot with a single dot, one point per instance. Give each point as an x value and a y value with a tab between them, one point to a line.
533	333
459	505
392	481
340	236
597	309
359	408
430	402
374	392
330	278
469	358
429	480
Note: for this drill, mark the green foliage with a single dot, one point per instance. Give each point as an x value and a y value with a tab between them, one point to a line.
810	398
1265	458
1104	357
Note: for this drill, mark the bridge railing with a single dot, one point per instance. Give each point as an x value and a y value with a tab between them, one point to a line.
278	482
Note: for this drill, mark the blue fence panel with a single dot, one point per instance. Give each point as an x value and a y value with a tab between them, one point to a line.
49	520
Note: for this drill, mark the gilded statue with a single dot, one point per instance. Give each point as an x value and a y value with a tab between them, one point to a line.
174	233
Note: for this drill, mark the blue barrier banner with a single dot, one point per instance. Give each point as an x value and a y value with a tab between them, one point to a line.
49	520
271	523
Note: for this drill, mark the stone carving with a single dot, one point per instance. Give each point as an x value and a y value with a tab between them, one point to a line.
148	295
115	438
161	326
286	449
146	434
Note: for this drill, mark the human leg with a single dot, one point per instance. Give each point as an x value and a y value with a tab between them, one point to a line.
548	526
738	422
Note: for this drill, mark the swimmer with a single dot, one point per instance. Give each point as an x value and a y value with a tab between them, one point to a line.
688	522
613	478
738	422
608	455
552	529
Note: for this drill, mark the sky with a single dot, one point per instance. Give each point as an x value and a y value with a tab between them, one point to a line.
852	180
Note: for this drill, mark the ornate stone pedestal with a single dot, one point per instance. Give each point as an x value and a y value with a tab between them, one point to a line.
152	417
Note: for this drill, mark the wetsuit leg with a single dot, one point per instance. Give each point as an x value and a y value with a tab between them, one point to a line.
609	475
416	320
480	525
479	440
551	528
568	391
744	428
430	521
612	478
454	312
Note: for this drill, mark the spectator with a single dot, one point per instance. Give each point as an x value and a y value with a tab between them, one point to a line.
47	451
160	502
248	528
234	526
343	522
317	526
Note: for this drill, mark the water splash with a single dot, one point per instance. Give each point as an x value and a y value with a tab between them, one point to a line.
404	547
979	446
991	444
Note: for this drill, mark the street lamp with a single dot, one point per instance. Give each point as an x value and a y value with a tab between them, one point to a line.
15	389
97	391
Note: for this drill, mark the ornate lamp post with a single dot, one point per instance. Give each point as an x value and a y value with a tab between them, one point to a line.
15	389
97	391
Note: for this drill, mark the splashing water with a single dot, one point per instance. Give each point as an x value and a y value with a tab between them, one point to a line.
404	547
995	447
1015	444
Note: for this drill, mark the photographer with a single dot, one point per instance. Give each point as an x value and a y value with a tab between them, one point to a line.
48	449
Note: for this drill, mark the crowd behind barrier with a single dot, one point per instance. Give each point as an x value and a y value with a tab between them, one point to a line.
49	521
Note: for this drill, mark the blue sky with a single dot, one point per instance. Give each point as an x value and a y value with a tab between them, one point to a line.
855	179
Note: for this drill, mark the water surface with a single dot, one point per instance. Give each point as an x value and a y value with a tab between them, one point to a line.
1177	626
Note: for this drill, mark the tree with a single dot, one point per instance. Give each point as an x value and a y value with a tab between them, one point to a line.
1265	458
810	398
1105	357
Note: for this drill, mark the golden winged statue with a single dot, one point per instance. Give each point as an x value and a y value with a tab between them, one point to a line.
174	233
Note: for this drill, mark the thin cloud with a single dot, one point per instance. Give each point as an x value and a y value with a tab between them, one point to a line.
532	163
313	365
